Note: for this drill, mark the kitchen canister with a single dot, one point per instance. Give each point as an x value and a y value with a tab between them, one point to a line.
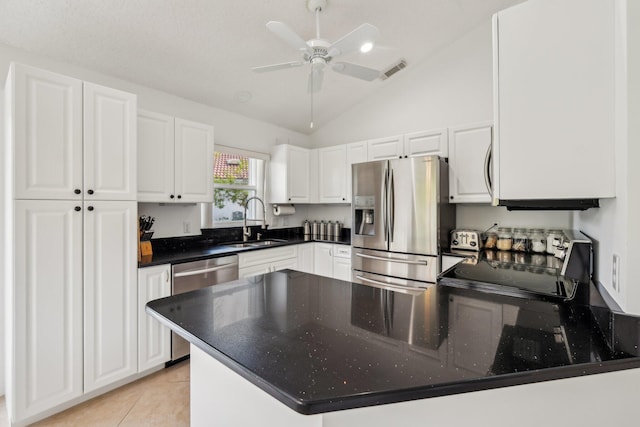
322	235
337	230
315	229
537	241
505	239
520	240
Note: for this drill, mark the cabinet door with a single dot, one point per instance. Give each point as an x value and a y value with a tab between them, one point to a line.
110	150
356	153
298	178
385	148
110	292
193	162
468	148
332	174
155	157
323	259
47	310
426	143
154	339
305	258
555	99
45	113
342	268
267	256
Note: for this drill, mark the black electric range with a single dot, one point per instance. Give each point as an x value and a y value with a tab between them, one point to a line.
522	276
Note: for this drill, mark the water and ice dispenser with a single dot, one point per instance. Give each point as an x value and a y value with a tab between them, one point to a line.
364	215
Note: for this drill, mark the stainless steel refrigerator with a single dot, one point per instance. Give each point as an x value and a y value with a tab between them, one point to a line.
401	218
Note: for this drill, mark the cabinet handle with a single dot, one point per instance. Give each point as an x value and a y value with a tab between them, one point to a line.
90	208
487	171
77	209
179	196
166	276
77	191
171	196
89	191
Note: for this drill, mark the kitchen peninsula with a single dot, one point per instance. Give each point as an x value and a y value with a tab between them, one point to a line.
295	349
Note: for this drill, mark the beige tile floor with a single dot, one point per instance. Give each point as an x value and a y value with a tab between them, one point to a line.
161	399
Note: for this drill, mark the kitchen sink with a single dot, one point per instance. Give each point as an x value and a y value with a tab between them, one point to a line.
254	243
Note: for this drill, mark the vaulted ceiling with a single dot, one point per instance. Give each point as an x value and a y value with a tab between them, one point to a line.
203	50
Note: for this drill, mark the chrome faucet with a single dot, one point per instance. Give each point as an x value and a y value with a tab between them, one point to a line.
246	231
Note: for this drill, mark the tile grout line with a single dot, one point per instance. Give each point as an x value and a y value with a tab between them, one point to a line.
131	409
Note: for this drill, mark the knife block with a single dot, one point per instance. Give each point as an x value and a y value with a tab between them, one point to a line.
145	250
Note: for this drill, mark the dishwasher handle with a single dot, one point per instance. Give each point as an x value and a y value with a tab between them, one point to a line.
204	270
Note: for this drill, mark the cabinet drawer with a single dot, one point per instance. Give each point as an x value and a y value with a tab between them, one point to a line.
341	251
267	255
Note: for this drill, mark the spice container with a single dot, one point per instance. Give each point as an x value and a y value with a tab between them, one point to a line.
520	240
537	241
491	240
505	239
551	236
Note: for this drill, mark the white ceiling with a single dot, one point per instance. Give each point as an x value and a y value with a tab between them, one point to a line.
203	49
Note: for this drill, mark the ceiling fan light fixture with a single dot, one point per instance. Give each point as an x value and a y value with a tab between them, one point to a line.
366	47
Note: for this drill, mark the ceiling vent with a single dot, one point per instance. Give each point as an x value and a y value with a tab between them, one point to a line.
402	64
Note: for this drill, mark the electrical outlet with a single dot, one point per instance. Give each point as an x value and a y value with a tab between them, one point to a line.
186	227
615	273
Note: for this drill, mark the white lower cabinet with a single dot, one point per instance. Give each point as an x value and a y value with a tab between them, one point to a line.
267	260
46	361
110	293
74	305
154	339
332	260
305	258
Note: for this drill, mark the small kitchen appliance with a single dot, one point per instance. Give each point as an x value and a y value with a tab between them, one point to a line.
466	239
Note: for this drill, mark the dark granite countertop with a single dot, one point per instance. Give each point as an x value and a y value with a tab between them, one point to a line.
319	344
205	249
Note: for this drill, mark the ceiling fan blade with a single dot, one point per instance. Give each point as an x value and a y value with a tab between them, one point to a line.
357	71
355	39
315	79
275	67
288	36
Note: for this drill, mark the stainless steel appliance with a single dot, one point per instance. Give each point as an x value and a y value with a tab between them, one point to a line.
466	239
529	275
401	219
194	275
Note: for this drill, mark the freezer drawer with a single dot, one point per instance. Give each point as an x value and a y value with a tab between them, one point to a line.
422	268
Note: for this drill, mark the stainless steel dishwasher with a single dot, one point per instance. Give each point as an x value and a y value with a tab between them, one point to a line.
194	275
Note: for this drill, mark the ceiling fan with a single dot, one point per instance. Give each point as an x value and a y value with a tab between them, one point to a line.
319	52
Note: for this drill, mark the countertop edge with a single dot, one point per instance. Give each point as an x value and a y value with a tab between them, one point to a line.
397	396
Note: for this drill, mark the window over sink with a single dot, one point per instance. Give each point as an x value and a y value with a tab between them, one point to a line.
237	176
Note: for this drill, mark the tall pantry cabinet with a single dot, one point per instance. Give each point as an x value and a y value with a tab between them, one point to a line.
71	258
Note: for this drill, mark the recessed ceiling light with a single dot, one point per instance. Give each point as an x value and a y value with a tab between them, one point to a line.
366	47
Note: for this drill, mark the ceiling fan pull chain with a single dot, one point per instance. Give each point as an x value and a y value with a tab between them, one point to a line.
311	97
318	9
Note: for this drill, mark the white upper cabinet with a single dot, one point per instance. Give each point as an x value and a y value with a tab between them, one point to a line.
332	174
426	143
110	292
109	144
71	139
356	153
45	111
554	65
290	174
194	161
469	149
391	147
175	159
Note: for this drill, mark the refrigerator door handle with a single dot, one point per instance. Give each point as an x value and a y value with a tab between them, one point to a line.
389	287
385	205
402	261
392	204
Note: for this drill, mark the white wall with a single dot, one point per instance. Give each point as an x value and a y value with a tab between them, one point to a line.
613	225
451	88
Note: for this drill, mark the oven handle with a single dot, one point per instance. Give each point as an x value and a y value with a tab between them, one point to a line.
204	270
389	287
403	261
